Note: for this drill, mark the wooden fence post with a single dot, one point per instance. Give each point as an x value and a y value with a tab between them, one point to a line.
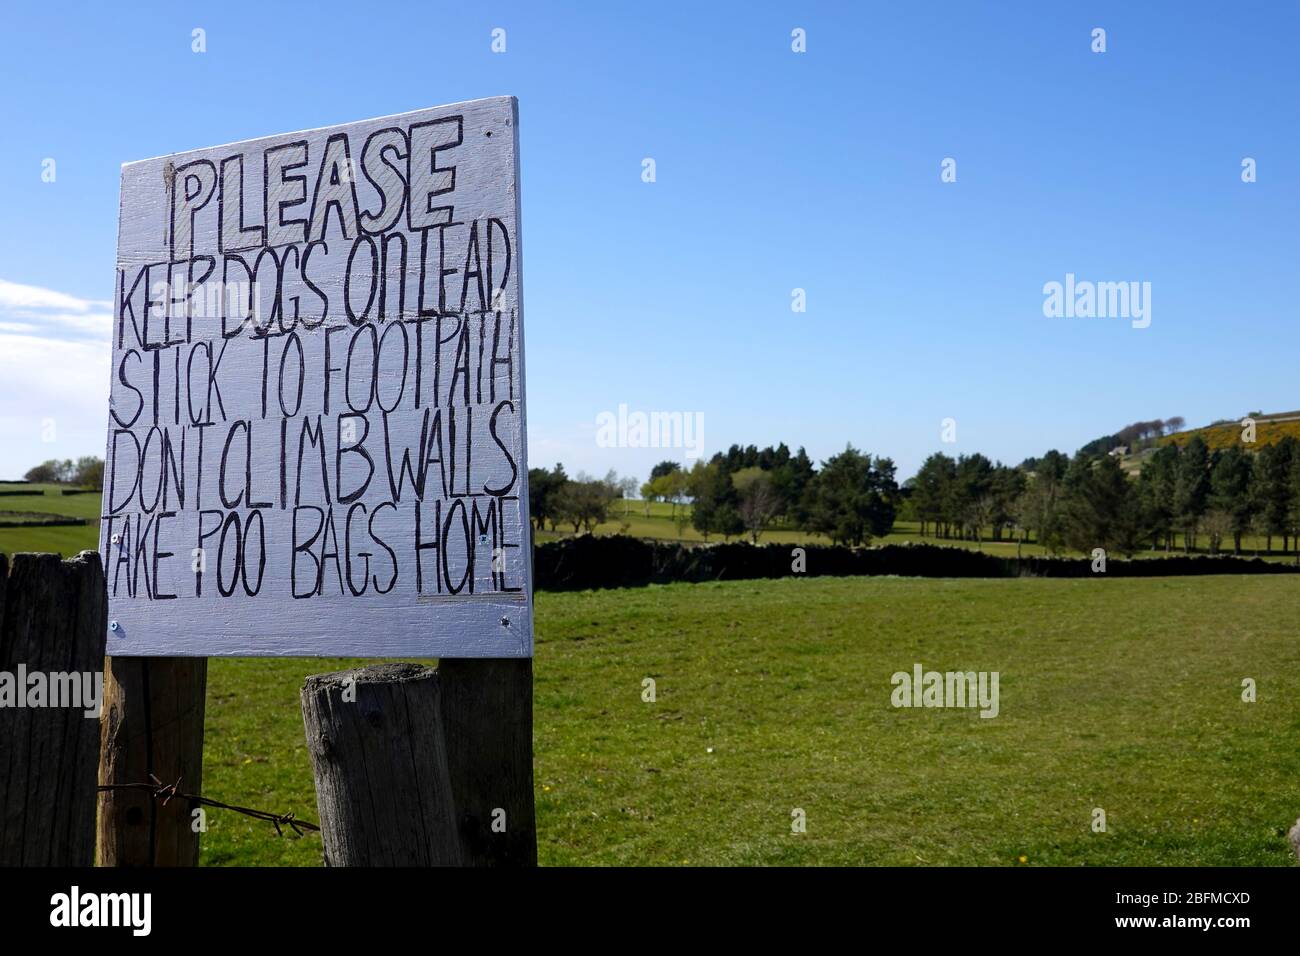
487	717
52	619
152	728
380	765
417	767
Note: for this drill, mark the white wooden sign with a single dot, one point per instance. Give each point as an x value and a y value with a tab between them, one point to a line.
316	439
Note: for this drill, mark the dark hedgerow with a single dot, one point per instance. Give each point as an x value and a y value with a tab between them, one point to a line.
620	561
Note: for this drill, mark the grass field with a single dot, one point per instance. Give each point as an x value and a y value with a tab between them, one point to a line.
1122	694
46	499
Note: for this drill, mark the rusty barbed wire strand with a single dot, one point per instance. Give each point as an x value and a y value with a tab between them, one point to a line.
168	790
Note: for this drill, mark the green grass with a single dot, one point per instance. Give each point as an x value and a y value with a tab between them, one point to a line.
45	499
1122	694
66	541
655	520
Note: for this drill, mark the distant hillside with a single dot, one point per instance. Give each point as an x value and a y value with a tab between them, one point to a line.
1134	443
1133	438
1269	429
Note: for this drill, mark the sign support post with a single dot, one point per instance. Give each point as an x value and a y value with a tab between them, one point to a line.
52	617
423	767
487	716
152	729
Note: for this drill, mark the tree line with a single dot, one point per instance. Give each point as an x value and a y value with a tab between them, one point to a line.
1136	435
581	502
84	472
746	490
1190	493
1185	493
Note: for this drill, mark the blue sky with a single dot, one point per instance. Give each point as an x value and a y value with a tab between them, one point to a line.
775	171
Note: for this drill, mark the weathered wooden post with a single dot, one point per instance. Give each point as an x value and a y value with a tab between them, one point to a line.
422	767
152	729
52	620
380	762
487	718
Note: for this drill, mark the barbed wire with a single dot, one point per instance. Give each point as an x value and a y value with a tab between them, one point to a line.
166	791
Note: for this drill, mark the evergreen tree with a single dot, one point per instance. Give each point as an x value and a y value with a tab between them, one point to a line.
1101	508
853	497
1271	489
1156	494
1191	488
1230	477
931	492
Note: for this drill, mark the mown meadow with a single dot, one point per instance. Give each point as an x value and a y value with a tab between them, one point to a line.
774	696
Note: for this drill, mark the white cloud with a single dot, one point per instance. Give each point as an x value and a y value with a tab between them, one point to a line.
14	295
56	314
54	376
